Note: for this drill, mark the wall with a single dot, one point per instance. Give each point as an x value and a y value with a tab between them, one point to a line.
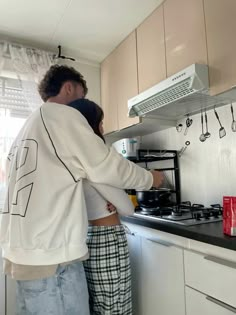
91	73
207	169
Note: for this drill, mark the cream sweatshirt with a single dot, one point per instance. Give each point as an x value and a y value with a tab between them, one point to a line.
44	221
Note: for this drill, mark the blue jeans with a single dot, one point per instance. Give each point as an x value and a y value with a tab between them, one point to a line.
65	293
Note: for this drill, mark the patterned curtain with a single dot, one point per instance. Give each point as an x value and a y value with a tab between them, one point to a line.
21	68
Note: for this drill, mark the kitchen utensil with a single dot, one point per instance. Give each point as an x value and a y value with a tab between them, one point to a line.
222	131
207	133
153	198
233	125
202	137
187	143
188	124
179	127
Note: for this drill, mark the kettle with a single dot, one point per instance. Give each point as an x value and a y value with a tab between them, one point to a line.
127	147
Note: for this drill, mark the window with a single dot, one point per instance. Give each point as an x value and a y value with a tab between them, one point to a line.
15	107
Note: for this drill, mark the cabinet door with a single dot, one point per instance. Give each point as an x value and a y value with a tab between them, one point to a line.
185	35
162	279
221	43
151	50
108	93
2	288
127	79
198	303
134	243
11	296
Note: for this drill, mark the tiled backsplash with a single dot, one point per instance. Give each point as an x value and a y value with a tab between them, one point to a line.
207	169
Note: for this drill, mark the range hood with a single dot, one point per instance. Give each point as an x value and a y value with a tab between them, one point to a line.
184	93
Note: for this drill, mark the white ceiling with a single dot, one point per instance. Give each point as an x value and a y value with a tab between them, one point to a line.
88	29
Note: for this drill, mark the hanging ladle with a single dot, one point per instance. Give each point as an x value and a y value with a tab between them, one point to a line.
222	131
202	137
233	125
207	133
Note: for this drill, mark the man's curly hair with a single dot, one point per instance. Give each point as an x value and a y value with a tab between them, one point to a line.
55	77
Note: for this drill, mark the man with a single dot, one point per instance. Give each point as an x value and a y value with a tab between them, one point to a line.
43	226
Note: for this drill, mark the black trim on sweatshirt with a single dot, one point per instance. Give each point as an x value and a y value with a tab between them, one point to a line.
76	181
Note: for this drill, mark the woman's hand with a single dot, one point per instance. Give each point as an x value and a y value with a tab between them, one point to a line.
110	207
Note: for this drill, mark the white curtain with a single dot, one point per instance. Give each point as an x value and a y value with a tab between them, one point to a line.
26	66
21	69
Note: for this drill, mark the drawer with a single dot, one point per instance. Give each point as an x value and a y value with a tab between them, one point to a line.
213	276
199	303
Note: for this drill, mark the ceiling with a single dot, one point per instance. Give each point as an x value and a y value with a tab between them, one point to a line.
88	29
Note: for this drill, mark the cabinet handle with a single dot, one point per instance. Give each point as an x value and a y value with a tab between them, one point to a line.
221	261
127	230
163	243
222	304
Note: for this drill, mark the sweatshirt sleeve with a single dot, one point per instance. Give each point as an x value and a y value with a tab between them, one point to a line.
85	154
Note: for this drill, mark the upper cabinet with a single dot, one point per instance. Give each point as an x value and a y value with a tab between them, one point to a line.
221	43
109	93
185	35
151	50
119	82
177	34
127	83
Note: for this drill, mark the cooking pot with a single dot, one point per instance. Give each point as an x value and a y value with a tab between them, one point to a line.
153	198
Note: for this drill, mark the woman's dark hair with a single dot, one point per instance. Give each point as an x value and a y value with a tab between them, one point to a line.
55	77
91	111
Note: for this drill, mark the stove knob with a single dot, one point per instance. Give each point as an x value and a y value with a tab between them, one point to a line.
197	216
206	215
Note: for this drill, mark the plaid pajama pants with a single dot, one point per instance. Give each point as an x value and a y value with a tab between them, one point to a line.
108	271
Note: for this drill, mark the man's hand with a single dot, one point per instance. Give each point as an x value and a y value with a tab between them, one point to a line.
158	178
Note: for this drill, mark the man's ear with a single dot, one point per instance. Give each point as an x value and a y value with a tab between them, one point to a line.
67	88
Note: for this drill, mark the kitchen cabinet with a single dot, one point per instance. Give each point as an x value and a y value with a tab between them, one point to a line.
134	243
11	296
109	93
127	85
119	82
221	44
2	288
162	278
185	35
198	303
211	275
151	50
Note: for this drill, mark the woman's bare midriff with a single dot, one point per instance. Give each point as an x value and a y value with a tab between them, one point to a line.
110	220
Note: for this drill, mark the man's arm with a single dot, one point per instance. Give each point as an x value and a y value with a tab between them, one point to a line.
86	155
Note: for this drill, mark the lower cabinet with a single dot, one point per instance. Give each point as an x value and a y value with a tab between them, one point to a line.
170	279
199	303
134	243
2	288
162	274
213	276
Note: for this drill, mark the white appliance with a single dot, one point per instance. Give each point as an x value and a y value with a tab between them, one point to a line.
127	147
184	93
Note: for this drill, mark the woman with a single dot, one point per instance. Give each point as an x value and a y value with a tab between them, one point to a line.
108	267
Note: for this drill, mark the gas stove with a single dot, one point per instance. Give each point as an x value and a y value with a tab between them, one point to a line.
183	214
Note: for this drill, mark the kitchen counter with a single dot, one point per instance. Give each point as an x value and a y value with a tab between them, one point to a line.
210	233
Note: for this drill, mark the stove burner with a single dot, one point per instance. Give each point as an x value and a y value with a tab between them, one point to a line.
184	213
155	211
